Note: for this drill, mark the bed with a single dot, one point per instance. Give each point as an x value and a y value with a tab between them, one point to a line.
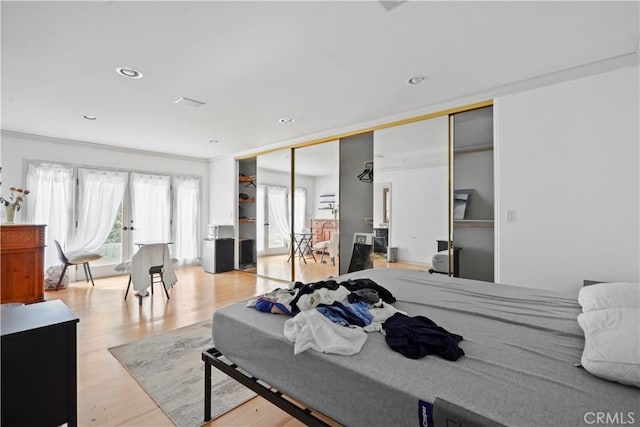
521	346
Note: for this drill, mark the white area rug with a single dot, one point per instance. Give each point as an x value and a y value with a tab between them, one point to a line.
169	368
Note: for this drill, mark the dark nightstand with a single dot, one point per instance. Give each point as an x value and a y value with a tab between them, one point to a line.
39	365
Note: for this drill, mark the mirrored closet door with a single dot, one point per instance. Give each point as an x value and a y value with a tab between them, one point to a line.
411	195
316	212
273	215
473	192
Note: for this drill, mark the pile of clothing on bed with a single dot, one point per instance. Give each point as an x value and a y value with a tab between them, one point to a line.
334	317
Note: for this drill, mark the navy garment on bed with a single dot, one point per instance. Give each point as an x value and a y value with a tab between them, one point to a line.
416	337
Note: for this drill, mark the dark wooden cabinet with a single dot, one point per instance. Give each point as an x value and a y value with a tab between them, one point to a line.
22	250
39	365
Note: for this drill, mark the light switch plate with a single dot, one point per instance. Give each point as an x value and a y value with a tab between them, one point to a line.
510	215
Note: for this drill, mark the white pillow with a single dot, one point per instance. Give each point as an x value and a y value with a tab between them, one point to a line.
612	344
609	295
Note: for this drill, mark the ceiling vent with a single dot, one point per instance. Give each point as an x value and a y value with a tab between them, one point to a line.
193	103
391	4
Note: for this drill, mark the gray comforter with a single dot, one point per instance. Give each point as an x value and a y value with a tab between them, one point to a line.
520	348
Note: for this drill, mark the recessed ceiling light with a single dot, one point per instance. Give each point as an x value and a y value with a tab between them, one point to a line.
286	120
129	72
90	117
416	80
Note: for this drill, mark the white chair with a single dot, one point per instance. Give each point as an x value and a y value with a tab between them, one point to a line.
331	247
149	261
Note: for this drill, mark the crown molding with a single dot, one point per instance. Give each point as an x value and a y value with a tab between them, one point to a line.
96	146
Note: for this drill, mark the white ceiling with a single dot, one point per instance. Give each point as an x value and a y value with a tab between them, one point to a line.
327	65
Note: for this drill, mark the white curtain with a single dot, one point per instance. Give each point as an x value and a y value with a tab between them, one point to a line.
300	212
100	194
186	209
260	218
278	212
151	207
51	203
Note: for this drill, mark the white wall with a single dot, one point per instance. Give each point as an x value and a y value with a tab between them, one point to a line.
18	148
419	211
567	164
223	181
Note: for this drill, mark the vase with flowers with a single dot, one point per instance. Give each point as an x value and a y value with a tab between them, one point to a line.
14	202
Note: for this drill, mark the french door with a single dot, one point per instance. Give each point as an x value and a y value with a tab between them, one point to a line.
118	246
144	215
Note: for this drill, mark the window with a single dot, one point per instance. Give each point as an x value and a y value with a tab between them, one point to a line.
51	203
186	209
100	194
113	209
151	207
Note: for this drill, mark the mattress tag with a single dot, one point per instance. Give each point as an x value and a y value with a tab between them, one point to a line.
425	413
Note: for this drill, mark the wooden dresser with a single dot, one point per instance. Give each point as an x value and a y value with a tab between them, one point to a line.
22	250
323	229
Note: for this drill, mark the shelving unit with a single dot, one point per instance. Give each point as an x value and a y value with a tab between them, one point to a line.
324	199
247	214
473	170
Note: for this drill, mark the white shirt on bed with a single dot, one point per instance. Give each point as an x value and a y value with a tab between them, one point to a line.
311	329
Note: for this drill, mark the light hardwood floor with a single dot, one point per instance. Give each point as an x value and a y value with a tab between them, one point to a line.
107	394
278	266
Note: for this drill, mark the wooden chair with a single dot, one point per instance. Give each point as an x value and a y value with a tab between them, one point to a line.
75	258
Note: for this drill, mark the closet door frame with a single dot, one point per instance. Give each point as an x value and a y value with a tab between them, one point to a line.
447	112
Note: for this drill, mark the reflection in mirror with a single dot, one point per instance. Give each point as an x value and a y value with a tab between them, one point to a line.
381	204
411	160
386	205
317	212
273	229
381	215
